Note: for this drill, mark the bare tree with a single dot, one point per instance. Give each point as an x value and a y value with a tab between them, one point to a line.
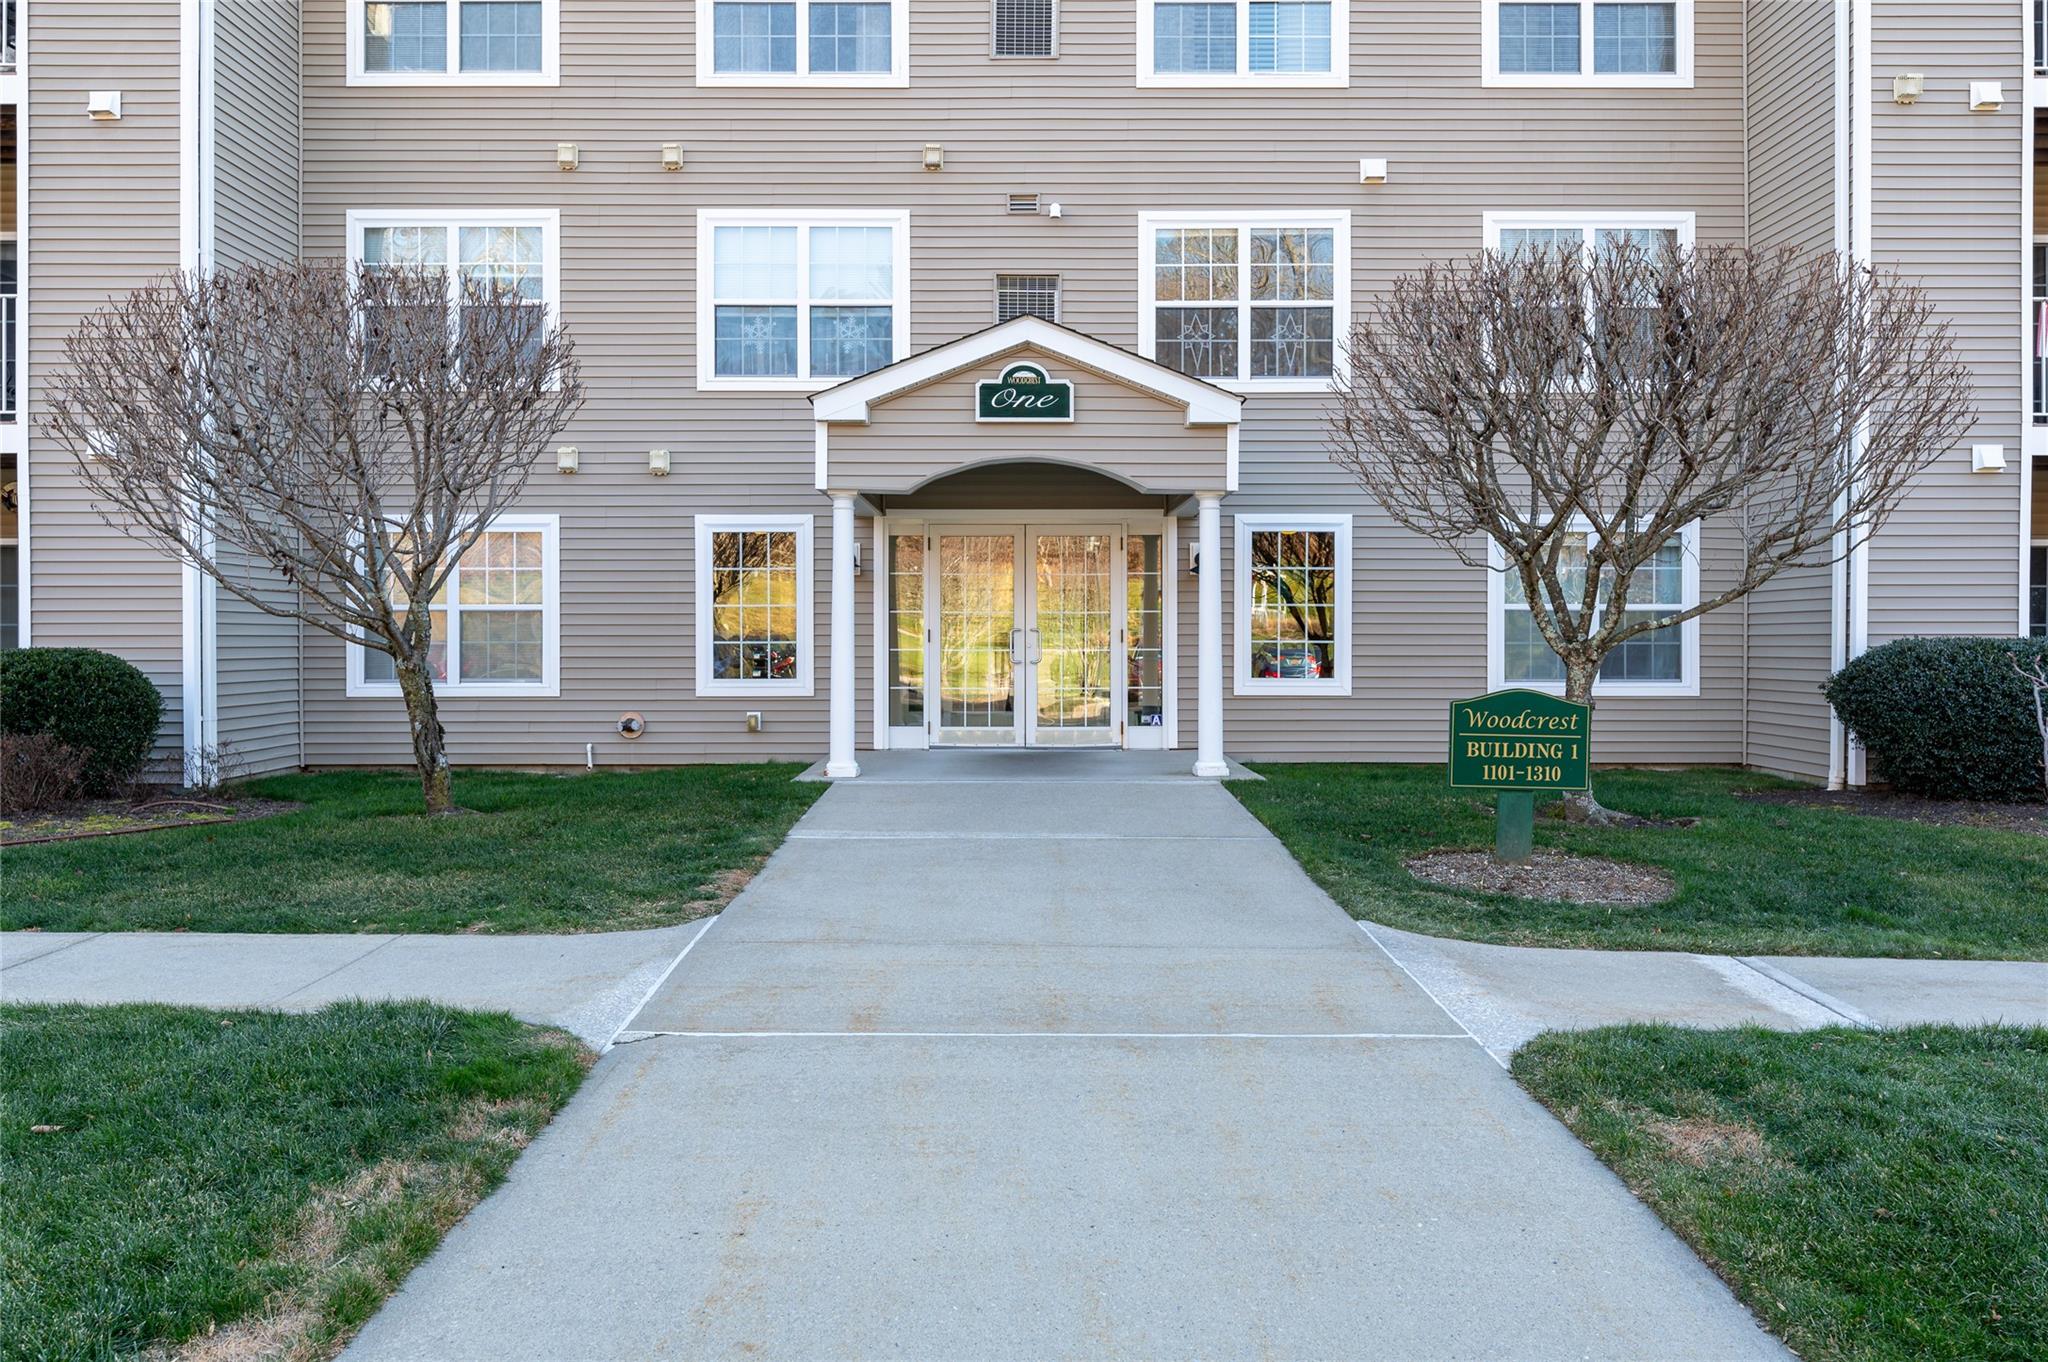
347	431
2034	671
1577	409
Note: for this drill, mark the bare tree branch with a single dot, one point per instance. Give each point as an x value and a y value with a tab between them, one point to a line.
352	430
1578	409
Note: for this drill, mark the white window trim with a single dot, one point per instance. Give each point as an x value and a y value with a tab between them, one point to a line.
549	221
1686	224
550	683
1491	75
898	74
1689	635
550	54
1242	680
1339	224
1338	77
708	220
803	683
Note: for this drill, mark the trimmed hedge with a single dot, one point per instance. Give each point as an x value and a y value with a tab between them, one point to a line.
1945	717
93	702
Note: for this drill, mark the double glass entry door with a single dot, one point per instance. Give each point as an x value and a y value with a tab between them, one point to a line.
1029	632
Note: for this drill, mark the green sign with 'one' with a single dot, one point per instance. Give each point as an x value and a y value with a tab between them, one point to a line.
1519	740
1024	393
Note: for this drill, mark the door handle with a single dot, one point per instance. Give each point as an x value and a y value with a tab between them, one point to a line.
1036	651
1016	647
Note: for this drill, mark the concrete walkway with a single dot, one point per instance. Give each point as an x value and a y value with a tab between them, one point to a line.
992	1069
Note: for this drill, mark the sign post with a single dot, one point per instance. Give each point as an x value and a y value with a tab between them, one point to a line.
1517	743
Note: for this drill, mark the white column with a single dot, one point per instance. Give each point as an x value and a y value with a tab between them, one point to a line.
839	762
1209	761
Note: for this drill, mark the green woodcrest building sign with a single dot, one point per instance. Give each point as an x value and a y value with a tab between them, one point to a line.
1519	740
1024	393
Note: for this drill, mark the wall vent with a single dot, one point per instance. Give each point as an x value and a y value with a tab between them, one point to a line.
1023	28
1027	295
1021	203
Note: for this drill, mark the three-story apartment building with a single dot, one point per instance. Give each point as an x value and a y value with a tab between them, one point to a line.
958	367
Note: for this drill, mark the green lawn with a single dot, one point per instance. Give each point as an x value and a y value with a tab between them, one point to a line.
265	1176
541	853
1870	1194
1752	878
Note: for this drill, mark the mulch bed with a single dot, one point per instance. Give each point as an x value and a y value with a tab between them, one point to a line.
1556	876
1945	813
146	812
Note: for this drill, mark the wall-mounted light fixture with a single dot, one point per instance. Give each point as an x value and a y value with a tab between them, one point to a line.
103	106
1987	96
566	459
657	462
671	155
1194	560
1908	86
1372	170
568	155
934	156
1987	458
856	558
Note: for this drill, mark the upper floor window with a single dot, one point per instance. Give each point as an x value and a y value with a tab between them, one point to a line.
1224	42
800	300
516	251
1663	661
1259	301
1588	42
438	42
1023	28
784	42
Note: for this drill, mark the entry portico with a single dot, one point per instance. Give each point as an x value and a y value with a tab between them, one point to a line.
1025	482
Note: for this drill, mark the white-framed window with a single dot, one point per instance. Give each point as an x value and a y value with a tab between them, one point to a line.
1254	301
1244	42
451	42
1624	43
1292	594
1023	29
1663	662
519	250
1027	295
754	631
803	42
497	620
1556	231
800	300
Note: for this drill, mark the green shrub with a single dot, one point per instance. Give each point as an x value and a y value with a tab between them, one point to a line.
93	702
1945	717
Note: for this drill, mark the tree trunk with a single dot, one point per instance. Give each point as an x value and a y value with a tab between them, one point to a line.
429	741
1581	806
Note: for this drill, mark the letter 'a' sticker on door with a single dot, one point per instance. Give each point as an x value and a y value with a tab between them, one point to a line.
1024	393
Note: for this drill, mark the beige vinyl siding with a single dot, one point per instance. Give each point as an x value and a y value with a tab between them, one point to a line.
1136	436
255	217
1075	130
1791	101
103	219
1946	208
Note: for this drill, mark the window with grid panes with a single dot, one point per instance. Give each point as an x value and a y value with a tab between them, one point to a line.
1246	302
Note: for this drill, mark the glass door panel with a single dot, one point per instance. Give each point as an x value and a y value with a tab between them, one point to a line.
1145	640
1072	649
977	617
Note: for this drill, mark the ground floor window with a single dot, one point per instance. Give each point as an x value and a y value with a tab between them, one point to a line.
495	621
753	605
1660	662
2037	590
1293	597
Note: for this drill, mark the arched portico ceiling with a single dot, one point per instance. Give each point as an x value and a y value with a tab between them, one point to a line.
1131	419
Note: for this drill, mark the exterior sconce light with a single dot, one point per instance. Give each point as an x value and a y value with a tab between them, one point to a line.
568	155
1372	170
566	459
934	156
1908	87
657	462
1986	96
1194	560
856	558
671	155
103	106
1987	458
